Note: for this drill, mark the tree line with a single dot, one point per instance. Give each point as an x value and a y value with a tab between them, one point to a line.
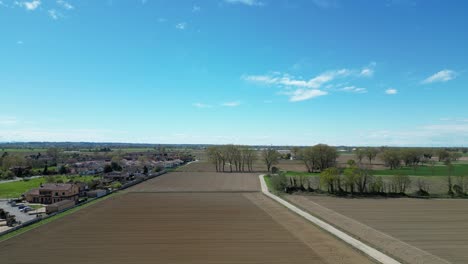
232	158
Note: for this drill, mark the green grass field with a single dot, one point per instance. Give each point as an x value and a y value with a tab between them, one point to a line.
458	170
15	189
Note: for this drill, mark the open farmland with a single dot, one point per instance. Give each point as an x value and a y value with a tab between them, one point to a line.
438	227
181	217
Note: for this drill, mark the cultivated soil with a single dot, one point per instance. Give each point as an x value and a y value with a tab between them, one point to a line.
181	217
414	230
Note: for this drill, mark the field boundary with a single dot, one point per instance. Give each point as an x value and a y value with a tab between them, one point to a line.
368	250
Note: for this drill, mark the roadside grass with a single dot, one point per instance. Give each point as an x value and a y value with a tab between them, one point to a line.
35	206
268	182
55	217
15	189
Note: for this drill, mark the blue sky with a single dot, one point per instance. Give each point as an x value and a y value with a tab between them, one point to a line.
286	72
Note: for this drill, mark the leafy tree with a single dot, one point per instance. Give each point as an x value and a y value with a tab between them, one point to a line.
115	166
330	178
392	158
319	157
350	177
443	154
145	170
107	168
46	170
63	169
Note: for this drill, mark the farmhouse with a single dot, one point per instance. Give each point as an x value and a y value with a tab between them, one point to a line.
50	193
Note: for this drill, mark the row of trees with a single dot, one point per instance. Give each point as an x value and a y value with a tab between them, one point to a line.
234	158
410	157
353	180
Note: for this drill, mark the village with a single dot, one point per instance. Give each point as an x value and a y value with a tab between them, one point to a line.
75	178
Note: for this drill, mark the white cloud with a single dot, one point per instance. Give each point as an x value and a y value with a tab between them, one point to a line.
245	2
298	89
287	80
441	76
232	104
181	25
196	8
54	14
201	105
32	5
367	72
65	4
354	89
305	94
162	20
391	91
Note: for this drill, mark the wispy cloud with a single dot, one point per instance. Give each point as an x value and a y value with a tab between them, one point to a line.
304	94
65	4
232	104
441	76
19	42
391	91
181	26
299	89
32	5
196	8
245	2
201	105
54	14
8	120
287	80
354	89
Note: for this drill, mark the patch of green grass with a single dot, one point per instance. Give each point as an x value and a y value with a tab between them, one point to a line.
459	169
53	218
35	206
15	189
300	173
23	150
268	182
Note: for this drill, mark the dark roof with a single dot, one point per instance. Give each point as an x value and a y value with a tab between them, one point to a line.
56	186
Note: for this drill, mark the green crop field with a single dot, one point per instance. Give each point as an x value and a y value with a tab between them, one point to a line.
15	189
458	170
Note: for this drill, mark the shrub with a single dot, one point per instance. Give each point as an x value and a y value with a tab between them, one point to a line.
279	182
274	170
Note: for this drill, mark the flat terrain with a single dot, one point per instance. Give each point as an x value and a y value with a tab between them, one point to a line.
439	227
181	217
201	182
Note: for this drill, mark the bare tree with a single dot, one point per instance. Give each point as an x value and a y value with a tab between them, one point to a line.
270	157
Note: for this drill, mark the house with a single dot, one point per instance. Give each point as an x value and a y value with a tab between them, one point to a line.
50	193
118	176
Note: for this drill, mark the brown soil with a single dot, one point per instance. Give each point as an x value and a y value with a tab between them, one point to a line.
410	229
181	218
